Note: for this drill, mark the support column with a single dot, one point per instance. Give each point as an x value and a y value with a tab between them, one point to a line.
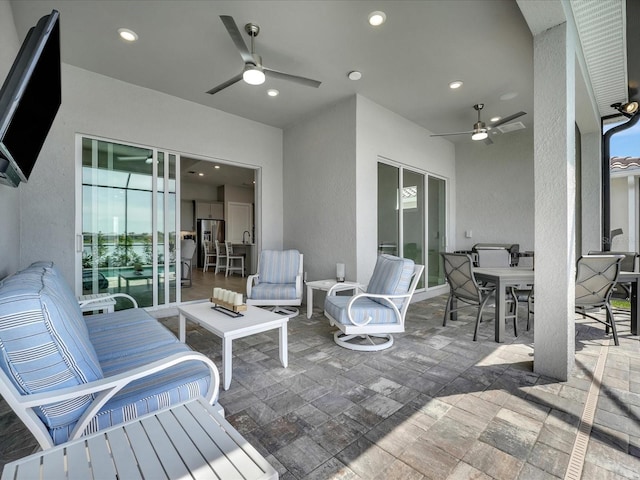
554	173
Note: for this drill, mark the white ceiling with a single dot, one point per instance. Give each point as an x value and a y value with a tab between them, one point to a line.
407	63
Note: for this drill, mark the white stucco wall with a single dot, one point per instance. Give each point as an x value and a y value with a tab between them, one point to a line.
382	133
621	191
320	197
495	194
98	105
9	197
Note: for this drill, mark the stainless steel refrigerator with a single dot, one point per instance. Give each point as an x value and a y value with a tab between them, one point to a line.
208	230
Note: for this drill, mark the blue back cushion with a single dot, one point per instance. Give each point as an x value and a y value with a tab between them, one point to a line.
279	266
391	276
44	344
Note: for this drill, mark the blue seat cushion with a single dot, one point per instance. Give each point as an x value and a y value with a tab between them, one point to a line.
361	310
269	291
279	267
165	388
391	276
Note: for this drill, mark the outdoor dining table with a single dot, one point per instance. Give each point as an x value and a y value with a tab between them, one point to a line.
506	277
503	278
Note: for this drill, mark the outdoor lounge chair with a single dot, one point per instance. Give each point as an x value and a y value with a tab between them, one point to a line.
365	318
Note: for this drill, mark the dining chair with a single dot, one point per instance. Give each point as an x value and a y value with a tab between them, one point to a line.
209	256
221	257
463	287
187	249
232	259
596	275
628	264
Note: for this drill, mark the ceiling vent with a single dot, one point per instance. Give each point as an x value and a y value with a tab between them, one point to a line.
511	127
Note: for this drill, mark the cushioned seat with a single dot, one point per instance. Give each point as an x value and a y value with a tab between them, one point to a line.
367	317
121	364
278	283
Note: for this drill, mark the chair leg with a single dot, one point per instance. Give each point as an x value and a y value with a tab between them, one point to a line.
447	310
613	324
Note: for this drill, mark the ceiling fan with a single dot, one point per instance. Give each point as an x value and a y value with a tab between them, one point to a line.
480	130
254	71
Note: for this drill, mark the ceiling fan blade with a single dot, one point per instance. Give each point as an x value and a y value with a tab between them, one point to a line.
488	141
236	36
508	119
447	134
226	84
292	78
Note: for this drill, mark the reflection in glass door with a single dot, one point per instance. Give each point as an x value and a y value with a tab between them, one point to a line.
128	222
412	195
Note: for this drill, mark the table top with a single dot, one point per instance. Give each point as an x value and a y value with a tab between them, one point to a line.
222	324
515	275
327	284
188	438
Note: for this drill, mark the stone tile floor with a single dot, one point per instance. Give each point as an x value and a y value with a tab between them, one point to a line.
436	405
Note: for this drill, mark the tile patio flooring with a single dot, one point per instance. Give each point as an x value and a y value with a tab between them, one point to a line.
436	405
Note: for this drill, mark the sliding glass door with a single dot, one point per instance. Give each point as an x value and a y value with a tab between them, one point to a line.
412	214
129	221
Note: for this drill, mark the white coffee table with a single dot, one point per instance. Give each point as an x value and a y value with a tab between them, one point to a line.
255	320
188	440
326	285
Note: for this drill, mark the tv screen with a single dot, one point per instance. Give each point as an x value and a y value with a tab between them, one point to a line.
29	100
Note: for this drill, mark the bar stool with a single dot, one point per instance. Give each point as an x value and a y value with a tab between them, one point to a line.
231	259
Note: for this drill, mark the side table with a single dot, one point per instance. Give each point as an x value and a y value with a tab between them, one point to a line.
326	285
189	440
106	305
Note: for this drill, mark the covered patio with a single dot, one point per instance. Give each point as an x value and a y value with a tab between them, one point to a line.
436	405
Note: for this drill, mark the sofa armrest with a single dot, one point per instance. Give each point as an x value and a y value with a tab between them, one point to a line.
105	388
106	297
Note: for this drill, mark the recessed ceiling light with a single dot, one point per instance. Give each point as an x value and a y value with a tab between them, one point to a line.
200	174
272	92
494	119
128	35
377	18
455	84
354	75
217	166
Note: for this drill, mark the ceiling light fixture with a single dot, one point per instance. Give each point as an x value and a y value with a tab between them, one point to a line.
200	174
377	18
253	75
354	75
455	84
627	109
479	133
217	167
272	92
128	35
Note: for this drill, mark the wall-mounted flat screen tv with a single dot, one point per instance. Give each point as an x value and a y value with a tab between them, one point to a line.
29	100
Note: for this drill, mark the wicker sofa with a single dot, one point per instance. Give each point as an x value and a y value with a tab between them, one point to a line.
66	375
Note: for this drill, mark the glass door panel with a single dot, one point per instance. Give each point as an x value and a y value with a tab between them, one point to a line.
437	230
119	196
388	218
413	217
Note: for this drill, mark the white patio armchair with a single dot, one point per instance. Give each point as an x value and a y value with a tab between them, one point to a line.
278	283
367	320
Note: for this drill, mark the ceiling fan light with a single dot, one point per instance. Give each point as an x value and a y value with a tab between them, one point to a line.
479	135
253	75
